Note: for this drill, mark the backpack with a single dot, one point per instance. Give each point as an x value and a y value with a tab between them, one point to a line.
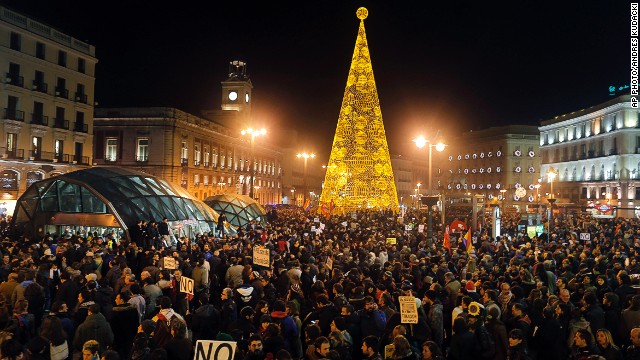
486	345
162	332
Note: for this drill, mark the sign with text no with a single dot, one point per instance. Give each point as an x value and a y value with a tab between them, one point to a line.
408	310
585	236
215	350
186	285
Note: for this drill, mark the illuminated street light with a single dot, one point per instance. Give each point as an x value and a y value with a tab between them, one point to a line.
421	142
551	175
253	133
306	156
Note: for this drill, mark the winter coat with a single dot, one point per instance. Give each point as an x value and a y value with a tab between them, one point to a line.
125	320
371	323
95	327
205	323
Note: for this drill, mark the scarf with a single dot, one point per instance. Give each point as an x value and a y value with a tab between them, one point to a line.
504	299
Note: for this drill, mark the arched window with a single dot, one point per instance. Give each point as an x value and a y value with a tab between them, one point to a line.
34	176
9	180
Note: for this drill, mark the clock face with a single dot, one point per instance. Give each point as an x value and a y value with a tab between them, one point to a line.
233	95
246	97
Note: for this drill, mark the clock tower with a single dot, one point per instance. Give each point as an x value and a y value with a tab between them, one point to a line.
236	90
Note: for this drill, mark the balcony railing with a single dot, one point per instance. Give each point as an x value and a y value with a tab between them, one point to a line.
183	183
184	161
40	86
142	158
196	163
61	124
39	119
63	93
14	79
13	114
110	158
12	153
37	155
81	160
81	127
82	98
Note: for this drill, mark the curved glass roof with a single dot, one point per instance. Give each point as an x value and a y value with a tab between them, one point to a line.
240	209
127	194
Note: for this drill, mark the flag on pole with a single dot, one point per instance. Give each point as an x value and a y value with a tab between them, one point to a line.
467	241
447	239
307	205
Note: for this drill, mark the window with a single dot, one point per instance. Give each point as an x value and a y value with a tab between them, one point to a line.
142	149
58	148
184	152
12	141
205	180
214	157
196	179
196	154
16	41
36	146
79	152
205	159
62	58
40	50
111	151
80	94
82	65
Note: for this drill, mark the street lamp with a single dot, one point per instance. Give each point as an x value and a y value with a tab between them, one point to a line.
293	195
305	156
422	142
551	174
253	133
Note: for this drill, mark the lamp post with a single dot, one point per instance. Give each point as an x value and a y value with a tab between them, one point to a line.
293	195
252	135
551	174
422	142
305	156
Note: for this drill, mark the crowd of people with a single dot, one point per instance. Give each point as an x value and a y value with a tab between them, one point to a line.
330	291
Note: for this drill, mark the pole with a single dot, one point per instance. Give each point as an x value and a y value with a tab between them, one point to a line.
304	181
429	177
253	169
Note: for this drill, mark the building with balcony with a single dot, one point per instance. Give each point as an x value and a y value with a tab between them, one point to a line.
47	78
596	155
198	154
494	163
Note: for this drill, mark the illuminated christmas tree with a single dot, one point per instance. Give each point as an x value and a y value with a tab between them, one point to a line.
359	174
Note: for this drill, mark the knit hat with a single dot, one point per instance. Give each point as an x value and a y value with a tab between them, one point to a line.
224	337
91	277
470	286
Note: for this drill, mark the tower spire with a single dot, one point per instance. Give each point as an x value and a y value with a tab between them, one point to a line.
359	173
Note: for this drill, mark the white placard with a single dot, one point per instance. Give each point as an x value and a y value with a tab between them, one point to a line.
186	285
169	263
261	256
316	220
330	263
215	350
421	228
585	236
344	223
408	228
408	310
313	228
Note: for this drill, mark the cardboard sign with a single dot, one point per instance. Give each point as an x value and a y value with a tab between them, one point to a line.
391	241
261	256
186	285
585	236
313	228
408	310
215	350
316	220
421	228
344	223
408	227
169	263
330	263
388	351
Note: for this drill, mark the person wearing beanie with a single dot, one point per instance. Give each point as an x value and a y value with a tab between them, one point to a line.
435	316
470	290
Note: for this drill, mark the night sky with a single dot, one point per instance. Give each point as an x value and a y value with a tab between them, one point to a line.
446	65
